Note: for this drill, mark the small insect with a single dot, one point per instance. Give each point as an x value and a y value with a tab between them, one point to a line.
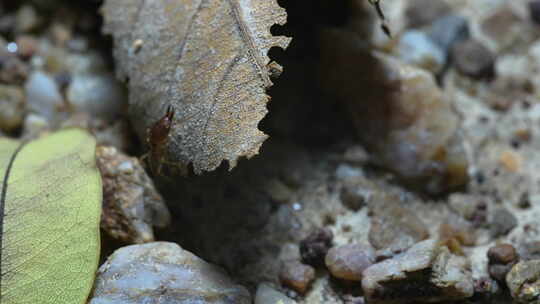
157	138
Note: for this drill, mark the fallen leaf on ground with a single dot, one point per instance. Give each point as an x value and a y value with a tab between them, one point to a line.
208	60
50	202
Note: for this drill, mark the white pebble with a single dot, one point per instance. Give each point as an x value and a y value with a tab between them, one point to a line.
43	95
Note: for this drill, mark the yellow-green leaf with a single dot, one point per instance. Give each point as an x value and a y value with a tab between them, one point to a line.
50	204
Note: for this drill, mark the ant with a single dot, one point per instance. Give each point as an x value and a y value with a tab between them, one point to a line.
157	138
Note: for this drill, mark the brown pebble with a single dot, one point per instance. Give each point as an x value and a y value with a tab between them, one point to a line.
27	46
297	276
314	247
510	161
13	70
523	135
354	197
347	262
502	254
464	235
474	60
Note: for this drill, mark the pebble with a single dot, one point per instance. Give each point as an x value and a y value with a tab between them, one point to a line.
12	108
43	95
12	69
510	161
471	58
456	233
529	251
502	254
131	203
27	19
499	271
425	273
347	262
417	48
100	95
399	113
423	12
34	125
279	191
348	172
163	273
395	228
354	196
523	281
502	223
505	28
315	246
448	30
356	154
27	46
266	294
297	276
534	10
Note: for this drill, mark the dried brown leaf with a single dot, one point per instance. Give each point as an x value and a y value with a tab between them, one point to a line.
206	58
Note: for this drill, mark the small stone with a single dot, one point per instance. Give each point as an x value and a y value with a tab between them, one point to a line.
395	228
297	276
354	197
279	191
34	125
498	271
510	161
502	223
131	203
12	69
524	201
12	110
356	154
97	94
27	19
459	230
425	273
417	48
424	12
448	30
60	34
315	246
529	251
505	27
347	262
266	294
524	282
502	254
163	273
43	95
402	116
27	46
534	10
347	172
474	60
